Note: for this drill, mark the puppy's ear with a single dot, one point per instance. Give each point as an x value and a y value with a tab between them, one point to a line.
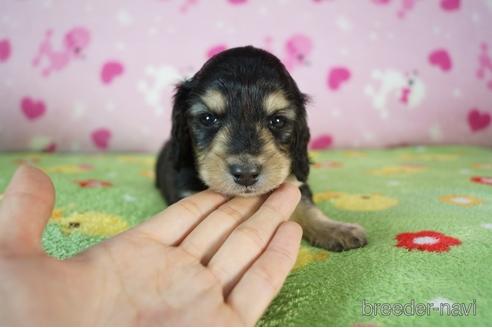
181	152
299	146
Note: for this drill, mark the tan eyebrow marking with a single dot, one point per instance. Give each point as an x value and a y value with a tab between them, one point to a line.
215	101
275	102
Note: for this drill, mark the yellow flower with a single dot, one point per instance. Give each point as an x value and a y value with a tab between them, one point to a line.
460	200
398	170
429	157
93	224
313	155
326	195
57	214
148	173
28	158
363	203
484	166
142	160
308	255
68	168
327	164
357	202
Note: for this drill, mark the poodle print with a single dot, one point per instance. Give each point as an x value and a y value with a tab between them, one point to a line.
75	42
297	48
405	6
407	89
160	78
485	65
488	3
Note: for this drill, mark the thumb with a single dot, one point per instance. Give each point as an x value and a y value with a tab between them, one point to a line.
25	208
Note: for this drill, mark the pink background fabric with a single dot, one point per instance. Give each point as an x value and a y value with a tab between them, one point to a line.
99	75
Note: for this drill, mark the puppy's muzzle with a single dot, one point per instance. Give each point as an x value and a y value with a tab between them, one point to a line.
245	174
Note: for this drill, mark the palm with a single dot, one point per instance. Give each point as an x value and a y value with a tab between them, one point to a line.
173	280
206	261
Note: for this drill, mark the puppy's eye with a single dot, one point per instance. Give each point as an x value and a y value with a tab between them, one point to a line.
277	122
208	119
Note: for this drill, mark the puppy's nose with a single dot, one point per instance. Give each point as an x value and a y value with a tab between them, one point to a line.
245	174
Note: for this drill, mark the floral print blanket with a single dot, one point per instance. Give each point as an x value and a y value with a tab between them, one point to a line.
427	211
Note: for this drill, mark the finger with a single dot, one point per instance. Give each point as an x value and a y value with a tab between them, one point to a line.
26	207
262	282
207	237
249	239
175	222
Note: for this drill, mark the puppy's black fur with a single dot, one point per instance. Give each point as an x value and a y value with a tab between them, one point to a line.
230	72
239	127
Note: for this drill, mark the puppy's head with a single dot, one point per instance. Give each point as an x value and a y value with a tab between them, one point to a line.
241	121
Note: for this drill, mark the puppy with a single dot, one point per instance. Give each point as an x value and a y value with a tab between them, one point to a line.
239	128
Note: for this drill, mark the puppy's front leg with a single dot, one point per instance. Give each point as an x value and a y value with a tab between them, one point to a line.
322	231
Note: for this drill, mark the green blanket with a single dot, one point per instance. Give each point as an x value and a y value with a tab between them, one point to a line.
427	211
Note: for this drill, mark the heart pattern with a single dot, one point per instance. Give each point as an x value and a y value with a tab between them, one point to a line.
32	109
111	70
441	59
237	2
4	50
212	51
50	148
337	76
478	120
362	73
322	142
450	5
101	138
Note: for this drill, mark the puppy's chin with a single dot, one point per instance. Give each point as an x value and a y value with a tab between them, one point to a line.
230	188
250	191
233	189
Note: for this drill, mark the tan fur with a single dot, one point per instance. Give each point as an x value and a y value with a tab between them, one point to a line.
213	168
214	164
215	101
293	180
275	102
322	231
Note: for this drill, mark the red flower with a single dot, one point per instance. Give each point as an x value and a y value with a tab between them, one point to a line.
482	180
92	183
430	241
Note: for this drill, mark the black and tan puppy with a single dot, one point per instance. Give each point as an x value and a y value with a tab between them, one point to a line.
239	127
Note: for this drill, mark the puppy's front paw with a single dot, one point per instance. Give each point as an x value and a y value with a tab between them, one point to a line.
341	237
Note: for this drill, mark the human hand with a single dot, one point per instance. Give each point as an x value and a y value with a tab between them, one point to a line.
205	260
